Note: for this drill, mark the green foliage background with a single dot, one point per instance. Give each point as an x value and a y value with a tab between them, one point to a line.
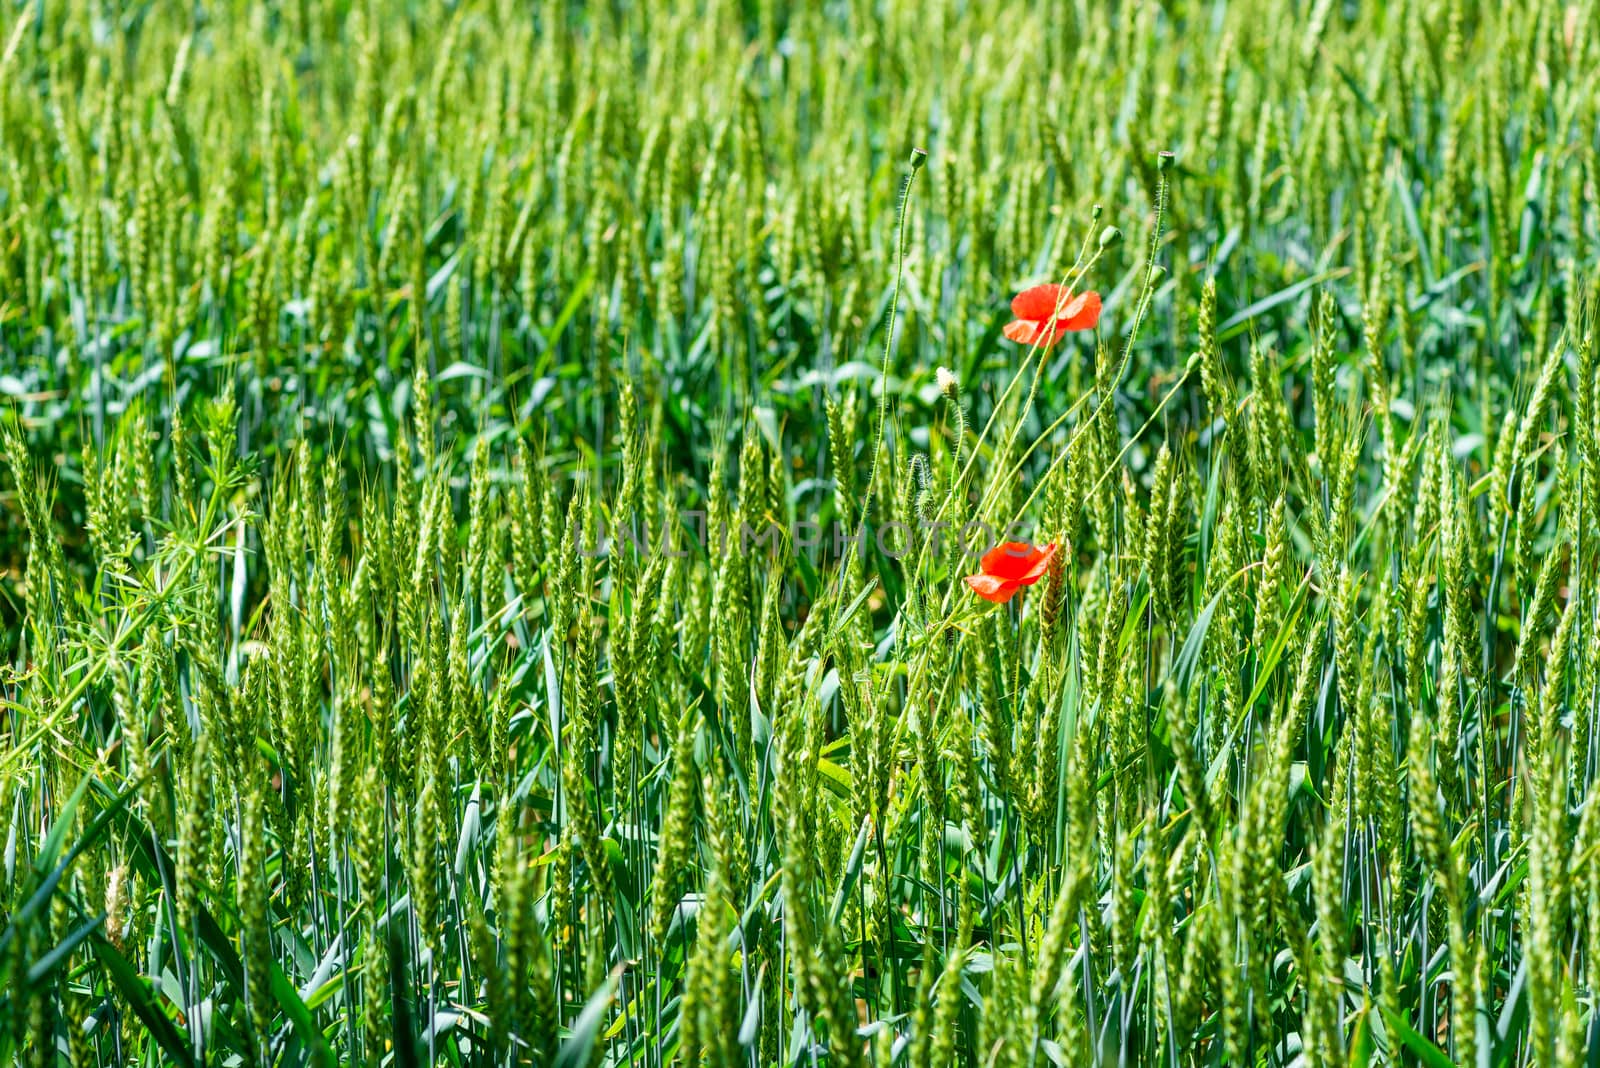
324	326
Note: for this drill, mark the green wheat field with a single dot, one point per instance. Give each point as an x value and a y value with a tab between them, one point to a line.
480	486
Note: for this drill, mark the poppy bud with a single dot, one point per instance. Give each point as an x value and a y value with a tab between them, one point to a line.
1109	236
919	156
949	385
1194	362
1164	160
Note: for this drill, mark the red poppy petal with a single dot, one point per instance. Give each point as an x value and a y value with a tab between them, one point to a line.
1037	303
1022	331
1010	561
992	589
1030	333
1082	313
993	559
1039	566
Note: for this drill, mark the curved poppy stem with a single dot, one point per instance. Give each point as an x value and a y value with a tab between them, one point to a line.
1171	392
1035	351
1063	417
1079	268
1146	295
918	157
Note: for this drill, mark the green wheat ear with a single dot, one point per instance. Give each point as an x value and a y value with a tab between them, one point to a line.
329	336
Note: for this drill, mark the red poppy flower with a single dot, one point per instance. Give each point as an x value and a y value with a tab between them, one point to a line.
1038	320
1007	568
